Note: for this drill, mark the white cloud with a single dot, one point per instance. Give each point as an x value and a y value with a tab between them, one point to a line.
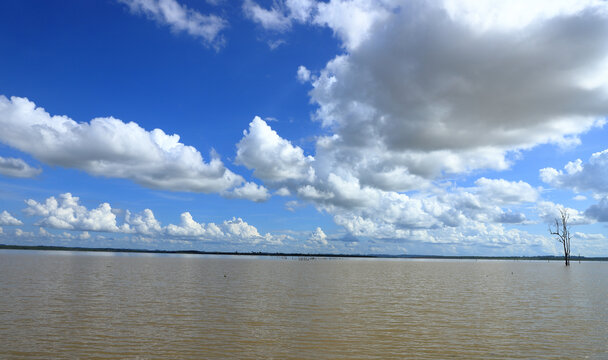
429	89
500	191
369	212
7	219
469	235
292	205
237	228
23	234
66	213
303	74
231	231
512	14
585	236
271	157
587	244
15	167
283	192
189	227
250	191
549	212
281	15
579	176
43	232
273	19
422	93
300	10
181	18
366	210
352	20
112	148
318	238
144	223
309	192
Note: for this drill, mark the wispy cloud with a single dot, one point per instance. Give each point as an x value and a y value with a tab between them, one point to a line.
181	19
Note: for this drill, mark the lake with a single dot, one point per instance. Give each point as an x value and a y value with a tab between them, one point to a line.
142	306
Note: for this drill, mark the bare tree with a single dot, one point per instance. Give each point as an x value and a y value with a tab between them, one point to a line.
562	231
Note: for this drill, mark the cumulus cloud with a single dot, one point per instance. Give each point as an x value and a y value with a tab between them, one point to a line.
549	212
425	83
318	238
500	191
144	223
352	20
112	148
585	236
7	219
579	176
470	235
365	211
424	90
432	88
67	213
23	234
189	227
283	192
303	74
271	157
181	19
15	167
512	14
250	191
233	231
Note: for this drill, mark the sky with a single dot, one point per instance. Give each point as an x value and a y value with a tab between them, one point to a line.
451	127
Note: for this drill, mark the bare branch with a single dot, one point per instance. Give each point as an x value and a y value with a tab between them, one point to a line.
563	234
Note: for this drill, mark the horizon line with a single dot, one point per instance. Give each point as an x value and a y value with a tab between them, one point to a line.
295	254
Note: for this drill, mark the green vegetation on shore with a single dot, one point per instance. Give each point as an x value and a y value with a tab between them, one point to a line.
197	252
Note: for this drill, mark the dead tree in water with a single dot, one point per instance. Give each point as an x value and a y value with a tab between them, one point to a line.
562	231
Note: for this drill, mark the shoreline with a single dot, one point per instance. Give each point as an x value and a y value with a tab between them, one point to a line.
304	255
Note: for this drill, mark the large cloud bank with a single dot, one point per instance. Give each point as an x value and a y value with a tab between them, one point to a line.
427	90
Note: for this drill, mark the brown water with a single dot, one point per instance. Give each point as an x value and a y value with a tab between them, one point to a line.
92	305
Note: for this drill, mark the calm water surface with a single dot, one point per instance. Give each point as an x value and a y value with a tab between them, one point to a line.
100	306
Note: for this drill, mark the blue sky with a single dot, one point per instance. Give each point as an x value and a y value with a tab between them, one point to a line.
341	126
